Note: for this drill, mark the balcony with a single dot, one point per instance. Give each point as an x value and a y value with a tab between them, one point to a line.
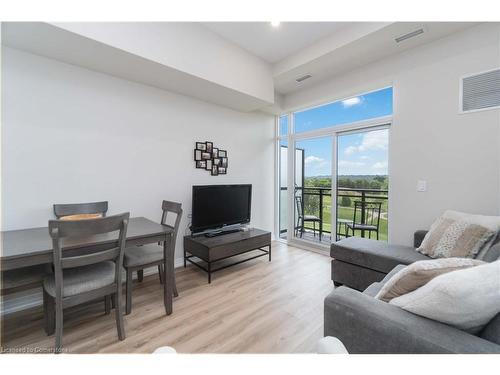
317	202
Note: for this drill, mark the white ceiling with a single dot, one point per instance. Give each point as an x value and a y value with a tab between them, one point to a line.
274	43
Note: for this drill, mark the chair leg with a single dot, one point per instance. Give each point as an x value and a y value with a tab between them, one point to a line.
140	275
160	270
46	317
119	314
160	273
107	305
377	234
50	314
128	291
113	301
59	325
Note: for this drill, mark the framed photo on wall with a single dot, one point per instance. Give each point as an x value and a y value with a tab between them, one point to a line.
201	146
208	165
215	170
201	164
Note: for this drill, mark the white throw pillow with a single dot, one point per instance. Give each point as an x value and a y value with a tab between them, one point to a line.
467	299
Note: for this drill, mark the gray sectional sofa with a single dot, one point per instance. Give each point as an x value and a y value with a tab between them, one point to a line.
367	325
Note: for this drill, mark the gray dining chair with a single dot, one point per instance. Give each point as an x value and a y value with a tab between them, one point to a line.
62	210
84	278
138	258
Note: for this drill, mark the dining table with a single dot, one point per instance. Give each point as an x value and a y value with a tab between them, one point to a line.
33	246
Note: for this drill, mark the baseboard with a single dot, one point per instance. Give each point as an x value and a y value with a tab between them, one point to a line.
33	298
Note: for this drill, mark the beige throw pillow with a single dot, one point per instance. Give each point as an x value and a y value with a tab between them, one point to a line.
455	236
420	273
467	299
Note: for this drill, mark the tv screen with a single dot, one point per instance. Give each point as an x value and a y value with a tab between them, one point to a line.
215	206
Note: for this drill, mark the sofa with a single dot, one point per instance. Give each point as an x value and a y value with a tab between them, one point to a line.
368	325
359	262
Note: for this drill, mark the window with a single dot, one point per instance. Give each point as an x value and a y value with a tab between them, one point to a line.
357	108
283	129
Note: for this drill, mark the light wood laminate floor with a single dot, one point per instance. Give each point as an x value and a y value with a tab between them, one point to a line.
254	307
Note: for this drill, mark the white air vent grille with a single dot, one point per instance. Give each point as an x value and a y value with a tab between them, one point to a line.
481	91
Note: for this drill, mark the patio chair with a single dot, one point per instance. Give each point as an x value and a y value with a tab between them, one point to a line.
302	219
366	218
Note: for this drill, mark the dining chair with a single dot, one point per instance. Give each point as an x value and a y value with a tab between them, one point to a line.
366	218
78	211
137	258
84	278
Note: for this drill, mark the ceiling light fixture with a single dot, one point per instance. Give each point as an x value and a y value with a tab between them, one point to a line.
275	23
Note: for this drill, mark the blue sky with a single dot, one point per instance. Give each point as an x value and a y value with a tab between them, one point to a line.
362	153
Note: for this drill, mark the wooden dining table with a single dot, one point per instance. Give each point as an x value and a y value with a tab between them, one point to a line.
33	246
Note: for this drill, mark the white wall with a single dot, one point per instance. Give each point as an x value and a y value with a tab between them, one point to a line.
188	47
458	154
74	135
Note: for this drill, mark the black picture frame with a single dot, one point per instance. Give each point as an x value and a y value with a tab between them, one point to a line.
215	170
197	155
202	146
201	164
221	170
215	152
223	162
216	161
209	164
222	153
206	155
209	146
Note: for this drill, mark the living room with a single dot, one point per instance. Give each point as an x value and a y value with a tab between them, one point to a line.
191	186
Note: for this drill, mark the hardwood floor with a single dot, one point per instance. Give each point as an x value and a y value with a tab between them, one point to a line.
254	307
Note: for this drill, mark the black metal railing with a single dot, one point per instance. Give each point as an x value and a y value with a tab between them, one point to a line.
310	194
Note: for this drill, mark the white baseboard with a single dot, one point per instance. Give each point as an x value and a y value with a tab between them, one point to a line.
33	298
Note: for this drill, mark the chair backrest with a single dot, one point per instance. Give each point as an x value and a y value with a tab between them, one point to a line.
299	204
61	210
175	208
367	213
60	229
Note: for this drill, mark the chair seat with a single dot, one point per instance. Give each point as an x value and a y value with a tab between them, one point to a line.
142	255
361	226
311	218
82	279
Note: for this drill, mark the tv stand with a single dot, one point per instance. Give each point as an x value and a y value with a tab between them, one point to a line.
214	249
221	232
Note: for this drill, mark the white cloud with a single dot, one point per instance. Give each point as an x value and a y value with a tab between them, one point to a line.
380	165
350	150
372	141
313	160
350	164
351	101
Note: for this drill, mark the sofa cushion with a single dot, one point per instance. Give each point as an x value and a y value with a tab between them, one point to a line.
492	330
373	289
372	254
417	274
467	299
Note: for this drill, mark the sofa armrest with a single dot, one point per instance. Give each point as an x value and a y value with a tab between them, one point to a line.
367	325
418	237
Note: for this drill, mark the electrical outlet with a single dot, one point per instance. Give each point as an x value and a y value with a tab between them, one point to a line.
421	186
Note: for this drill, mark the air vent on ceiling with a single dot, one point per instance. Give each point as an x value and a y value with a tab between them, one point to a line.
480	91
399	39
303	78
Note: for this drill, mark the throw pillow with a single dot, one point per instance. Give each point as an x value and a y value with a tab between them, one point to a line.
420	273
456	236
467	299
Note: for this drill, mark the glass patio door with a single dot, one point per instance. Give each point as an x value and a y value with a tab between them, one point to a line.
363	184
312	195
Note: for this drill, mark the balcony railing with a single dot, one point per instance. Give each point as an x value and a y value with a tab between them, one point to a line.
316	201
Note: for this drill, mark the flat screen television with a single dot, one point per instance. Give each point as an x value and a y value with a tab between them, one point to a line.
217	206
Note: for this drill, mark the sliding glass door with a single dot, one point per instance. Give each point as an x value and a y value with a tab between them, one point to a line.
333	176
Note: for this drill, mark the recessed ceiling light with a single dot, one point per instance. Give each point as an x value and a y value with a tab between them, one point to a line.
275	23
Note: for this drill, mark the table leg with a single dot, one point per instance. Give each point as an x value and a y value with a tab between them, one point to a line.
168	267
269	252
